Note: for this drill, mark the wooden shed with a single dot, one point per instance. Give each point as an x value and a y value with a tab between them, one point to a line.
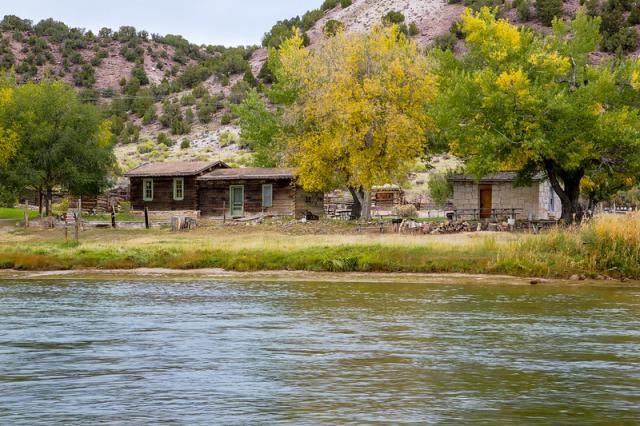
168	186
249	191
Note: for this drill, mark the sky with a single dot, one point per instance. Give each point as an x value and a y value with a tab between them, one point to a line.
226	22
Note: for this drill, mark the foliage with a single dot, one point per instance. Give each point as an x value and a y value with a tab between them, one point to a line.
547	10
532	103
63	142
440	189
362	118
393	17
260	129
407	211
332	27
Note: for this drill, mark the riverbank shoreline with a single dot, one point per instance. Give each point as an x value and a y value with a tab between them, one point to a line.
165	274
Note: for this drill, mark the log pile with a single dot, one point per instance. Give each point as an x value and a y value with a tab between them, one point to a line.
448	227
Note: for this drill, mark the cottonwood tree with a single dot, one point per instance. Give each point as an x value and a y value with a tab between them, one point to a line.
357	114
63	143
534	103
8	136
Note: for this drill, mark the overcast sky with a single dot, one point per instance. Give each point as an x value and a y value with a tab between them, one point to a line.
228	22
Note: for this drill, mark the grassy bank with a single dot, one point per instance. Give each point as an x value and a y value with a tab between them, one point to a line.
609	246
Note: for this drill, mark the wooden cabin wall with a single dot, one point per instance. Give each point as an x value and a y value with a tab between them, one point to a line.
163	194
214	194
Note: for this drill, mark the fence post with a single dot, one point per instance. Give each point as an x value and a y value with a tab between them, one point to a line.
224	212
113	216
146	218
26	214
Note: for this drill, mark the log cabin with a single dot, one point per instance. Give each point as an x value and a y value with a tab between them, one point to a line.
170	186
215	190
250	191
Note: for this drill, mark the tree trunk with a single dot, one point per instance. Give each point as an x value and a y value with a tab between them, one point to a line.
361	204
568	191
40	202
49	201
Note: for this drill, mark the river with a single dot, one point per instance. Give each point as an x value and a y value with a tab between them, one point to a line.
230	352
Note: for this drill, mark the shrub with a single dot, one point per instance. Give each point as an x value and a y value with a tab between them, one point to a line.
546	10
446	41
187	99
165	140
226	118
199	91
140	74
145	147
523	10
185	144
329	4
84	77
345	3
332	27
407	211
625	40
239	92
228	138
413	29
634	16
440	188
393	17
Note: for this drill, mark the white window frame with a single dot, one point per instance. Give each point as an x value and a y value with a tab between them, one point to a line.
144	189
175	188
265	186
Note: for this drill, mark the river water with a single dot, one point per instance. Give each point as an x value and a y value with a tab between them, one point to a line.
216	352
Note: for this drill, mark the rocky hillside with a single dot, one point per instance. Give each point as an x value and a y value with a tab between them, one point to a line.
168	98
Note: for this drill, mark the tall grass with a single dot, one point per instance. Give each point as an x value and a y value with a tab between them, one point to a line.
609	245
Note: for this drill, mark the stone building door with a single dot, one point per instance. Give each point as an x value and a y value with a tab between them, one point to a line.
485	201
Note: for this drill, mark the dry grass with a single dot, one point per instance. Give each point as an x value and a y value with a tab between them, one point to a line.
608	246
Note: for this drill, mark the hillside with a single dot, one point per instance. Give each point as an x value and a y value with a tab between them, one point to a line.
168	98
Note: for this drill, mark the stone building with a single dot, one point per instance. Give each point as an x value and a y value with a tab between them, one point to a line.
495	196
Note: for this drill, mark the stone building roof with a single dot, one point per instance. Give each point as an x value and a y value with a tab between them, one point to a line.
173	168
248	173
494	177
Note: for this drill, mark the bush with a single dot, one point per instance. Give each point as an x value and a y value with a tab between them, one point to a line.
624	41
239	92
345	3
165	140
145	147
393	17
84	77
413	29
226	118
407	211
440	189
446	41
185	144
328	5
332	27
546	10
523	10
634	16
228	138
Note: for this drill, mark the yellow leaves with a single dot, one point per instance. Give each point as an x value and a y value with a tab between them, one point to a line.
516	82
104	133
597	108
496	39
635	79
361	109
551	62
8	137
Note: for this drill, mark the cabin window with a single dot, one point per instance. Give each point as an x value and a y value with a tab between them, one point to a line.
178	189
147	189
267	195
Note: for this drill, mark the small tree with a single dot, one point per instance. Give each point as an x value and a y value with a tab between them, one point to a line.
549	9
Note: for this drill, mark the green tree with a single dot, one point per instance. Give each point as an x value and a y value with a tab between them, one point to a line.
532	103
260	129
63	142
547	10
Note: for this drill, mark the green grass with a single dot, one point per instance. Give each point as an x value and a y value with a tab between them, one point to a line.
609	246
106	217
15	213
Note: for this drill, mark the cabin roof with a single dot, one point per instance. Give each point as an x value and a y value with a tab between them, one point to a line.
248	173
494	177
173	168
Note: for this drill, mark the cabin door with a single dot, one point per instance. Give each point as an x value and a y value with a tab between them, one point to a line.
236	200
485	201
